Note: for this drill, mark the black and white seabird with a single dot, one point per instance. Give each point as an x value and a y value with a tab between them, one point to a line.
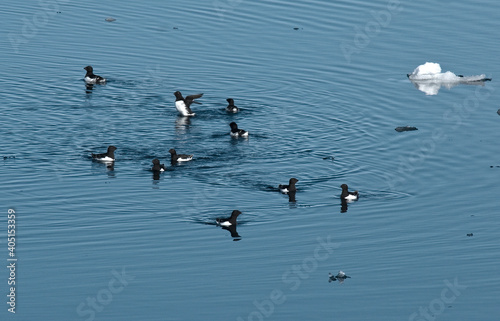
157	167
91	79
182	104
290	187
179	157
231	108
348	196
236	132
341	276
109	156
229	220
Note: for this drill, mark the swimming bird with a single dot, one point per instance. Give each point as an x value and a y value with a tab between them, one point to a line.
109	156
236	132
179	157
290	187
157	167
231	108
182	104
90	78
341	276
348	196
229	220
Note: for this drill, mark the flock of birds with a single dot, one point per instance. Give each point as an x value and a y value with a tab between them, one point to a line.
183	106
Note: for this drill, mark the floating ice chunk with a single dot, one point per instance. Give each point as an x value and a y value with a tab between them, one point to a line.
429	78
428	68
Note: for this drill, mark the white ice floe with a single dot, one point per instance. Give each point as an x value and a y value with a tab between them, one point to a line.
428	78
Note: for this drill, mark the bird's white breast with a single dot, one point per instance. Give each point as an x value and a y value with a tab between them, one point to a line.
181	108
351	197
106	159
89	80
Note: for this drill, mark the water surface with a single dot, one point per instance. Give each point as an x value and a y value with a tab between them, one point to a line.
314	111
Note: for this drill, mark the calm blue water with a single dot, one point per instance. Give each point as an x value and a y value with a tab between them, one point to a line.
321	86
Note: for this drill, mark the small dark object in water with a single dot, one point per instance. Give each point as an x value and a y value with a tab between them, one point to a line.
341	276
405	128
470	234
498	111
6	157
175	28
109	19
295	28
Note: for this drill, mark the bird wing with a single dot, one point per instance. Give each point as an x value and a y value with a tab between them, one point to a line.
232	230
184	156
99	155
191	99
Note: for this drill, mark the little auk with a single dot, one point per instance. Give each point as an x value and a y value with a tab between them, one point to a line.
179	157
348	196
90	78
109	156
290	187
182	104
229	220
157	167
236	132
231	108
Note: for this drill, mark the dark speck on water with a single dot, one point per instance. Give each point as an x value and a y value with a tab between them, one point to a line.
109	19
405	128
498	111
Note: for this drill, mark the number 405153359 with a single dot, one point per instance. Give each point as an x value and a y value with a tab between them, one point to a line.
11	232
